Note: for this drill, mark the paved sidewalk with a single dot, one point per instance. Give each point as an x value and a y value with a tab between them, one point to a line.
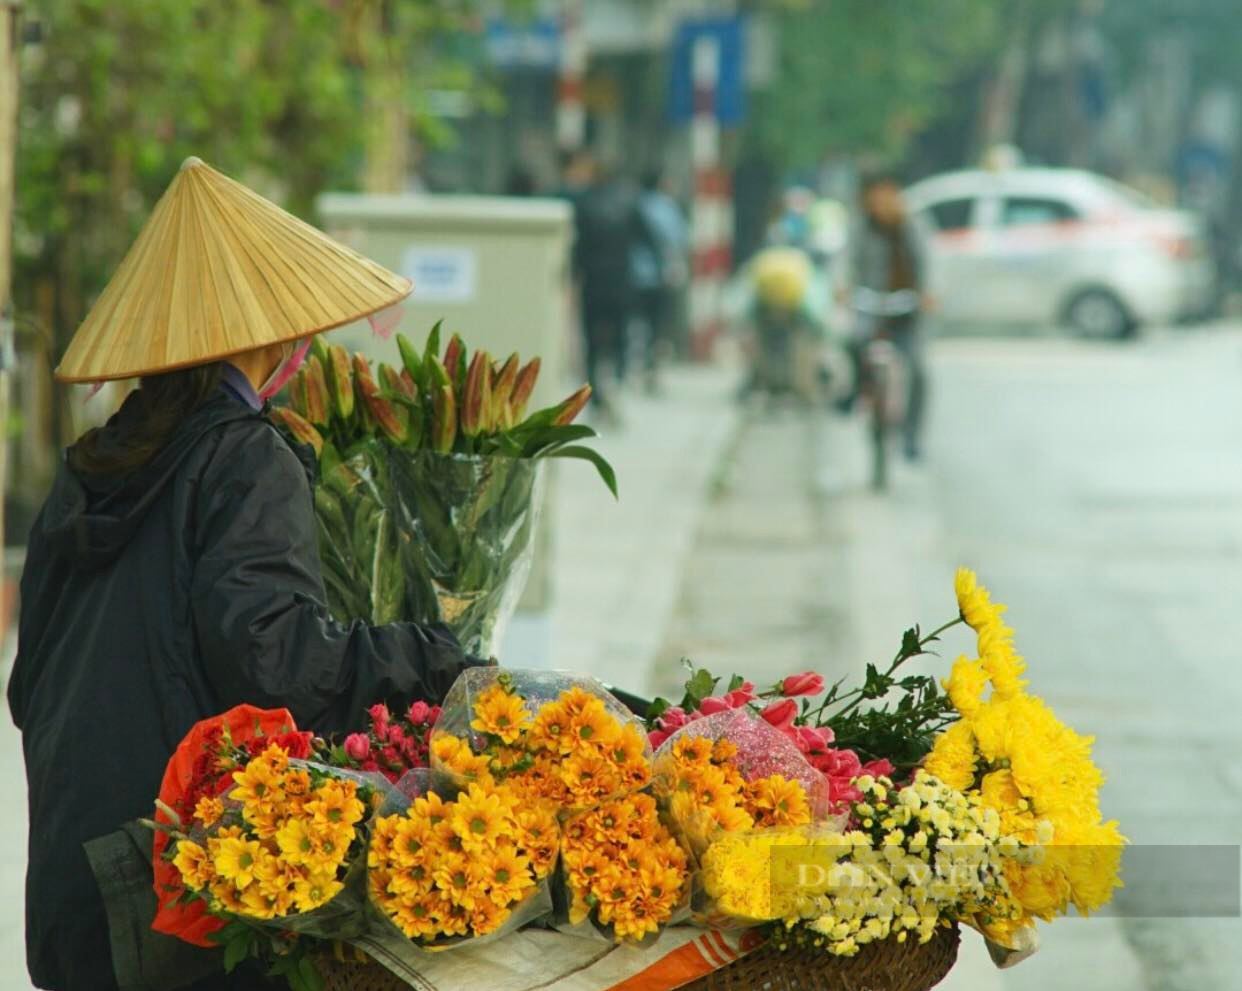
798	565
618	564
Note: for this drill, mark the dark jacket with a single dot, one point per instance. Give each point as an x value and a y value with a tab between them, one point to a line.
607	227
874	253
155	600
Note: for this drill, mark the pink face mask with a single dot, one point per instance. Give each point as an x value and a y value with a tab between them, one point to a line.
285	371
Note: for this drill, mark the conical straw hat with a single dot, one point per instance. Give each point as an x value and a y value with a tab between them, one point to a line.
218	270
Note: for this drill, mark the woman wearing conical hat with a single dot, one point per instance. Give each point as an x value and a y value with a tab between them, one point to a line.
173	571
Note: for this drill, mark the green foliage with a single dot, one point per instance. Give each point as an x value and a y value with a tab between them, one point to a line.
1209	29
863	76
902	731
116	93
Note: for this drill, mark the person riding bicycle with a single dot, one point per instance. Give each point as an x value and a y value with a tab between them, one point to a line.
886	258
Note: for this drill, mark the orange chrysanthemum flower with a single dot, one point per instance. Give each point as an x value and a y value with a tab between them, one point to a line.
777	801
501	714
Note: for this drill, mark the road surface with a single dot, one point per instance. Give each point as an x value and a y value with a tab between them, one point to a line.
1098	490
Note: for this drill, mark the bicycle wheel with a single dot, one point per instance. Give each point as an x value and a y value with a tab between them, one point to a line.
879	429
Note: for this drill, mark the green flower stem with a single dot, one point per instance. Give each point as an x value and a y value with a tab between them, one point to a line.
860	695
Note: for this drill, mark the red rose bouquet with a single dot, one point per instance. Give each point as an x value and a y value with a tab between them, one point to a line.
392	744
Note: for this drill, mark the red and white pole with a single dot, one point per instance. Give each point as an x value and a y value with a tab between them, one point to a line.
570	102
711	222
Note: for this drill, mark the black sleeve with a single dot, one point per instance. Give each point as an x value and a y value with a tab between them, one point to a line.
258	600
32	620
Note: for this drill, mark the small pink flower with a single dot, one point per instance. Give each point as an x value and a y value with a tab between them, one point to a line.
740	695
807	683
881	768
357	746
712	705
379	718
781	714
838	764
396	736
433	716
841	792
673	718
418	713
658	736
412	752
812	739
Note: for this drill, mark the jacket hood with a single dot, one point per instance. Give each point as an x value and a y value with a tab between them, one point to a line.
91	518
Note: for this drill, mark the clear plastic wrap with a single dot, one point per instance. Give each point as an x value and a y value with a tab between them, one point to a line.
732	772
421	536
731	779
554	737
755	876
284	848
451	866
622	875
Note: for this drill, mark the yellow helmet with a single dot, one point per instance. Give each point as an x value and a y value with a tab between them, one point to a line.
782	277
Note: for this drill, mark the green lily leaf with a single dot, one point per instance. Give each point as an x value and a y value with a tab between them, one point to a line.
598	460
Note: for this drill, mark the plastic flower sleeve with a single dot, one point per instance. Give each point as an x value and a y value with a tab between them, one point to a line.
732	772
756	876
470	523
283	849
450	866
425	537
554	737
622	875
360	522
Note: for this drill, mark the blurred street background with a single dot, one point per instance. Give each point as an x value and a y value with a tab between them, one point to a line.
605	183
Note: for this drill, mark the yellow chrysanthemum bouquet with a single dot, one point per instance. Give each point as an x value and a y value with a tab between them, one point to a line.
732	772
914	858
1011	751
460	863
732	775
276	853
562	744
974	804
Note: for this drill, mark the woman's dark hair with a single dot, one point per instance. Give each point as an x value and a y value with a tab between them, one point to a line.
164	401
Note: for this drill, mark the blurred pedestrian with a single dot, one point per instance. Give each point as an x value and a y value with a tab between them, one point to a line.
886	256
520	182
576	170
607	225
660	268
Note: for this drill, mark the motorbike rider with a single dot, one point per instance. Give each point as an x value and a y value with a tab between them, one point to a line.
782	316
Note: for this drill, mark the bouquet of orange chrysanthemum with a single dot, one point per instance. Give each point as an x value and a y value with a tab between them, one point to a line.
622	870
550	736
274	855
462	864
732	772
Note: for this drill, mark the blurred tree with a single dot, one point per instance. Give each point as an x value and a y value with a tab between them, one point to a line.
1210	27
292	97
862	76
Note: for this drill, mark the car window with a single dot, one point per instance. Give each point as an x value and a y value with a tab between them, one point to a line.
951	215
1020	211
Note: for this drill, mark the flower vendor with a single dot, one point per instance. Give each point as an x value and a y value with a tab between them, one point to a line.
173	571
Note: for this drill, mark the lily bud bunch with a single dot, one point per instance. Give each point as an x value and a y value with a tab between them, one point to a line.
451	402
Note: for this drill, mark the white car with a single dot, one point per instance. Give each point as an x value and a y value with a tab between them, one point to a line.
1059	246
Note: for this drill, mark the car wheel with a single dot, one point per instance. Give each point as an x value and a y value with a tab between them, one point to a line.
1099	315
